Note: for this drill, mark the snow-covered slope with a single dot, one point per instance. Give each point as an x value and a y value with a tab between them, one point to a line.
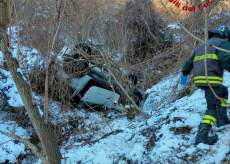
164	133
166	136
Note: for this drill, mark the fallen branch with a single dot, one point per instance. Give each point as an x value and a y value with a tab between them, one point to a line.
93	142
27	144
5	142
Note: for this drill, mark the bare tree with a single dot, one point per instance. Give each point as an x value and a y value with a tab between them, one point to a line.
49	146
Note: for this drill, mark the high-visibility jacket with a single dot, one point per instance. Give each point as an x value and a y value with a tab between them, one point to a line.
217	61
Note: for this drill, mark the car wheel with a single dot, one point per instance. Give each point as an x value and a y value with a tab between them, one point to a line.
77	68
82	47
133	77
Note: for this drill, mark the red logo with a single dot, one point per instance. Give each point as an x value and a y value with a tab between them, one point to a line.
193	8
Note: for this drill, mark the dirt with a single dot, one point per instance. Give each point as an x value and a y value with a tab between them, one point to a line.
181	130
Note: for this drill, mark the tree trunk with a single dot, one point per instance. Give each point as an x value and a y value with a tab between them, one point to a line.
46	137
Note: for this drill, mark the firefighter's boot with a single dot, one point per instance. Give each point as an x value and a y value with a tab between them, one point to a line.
222	118
202	135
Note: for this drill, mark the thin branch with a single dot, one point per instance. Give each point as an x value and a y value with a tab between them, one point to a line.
46	99
14	126
122	88
93	142
10	15
17	32
148	27
50	48
205	52
58	26
109	64
5	142
27	144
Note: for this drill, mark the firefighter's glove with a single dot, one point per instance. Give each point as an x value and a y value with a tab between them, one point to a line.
183	79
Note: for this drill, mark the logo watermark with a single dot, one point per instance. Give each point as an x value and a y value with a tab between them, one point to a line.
177	3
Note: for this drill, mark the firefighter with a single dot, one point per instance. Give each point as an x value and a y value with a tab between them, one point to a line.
217	61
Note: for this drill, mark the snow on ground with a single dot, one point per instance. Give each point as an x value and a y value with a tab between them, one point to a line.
166	146
9	148
165	133
174	26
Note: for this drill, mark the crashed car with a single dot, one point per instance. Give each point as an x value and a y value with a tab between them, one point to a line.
93	84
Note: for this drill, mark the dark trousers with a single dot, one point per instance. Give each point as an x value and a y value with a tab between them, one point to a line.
213	104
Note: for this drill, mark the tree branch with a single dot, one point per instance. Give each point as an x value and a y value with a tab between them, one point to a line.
93	142
27	144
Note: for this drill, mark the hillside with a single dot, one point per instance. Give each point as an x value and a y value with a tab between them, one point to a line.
164	133
110	71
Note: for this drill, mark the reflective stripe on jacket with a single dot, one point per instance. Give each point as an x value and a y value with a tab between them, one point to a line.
214	69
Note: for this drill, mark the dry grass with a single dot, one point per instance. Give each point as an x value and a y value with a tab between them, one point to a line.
115	27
